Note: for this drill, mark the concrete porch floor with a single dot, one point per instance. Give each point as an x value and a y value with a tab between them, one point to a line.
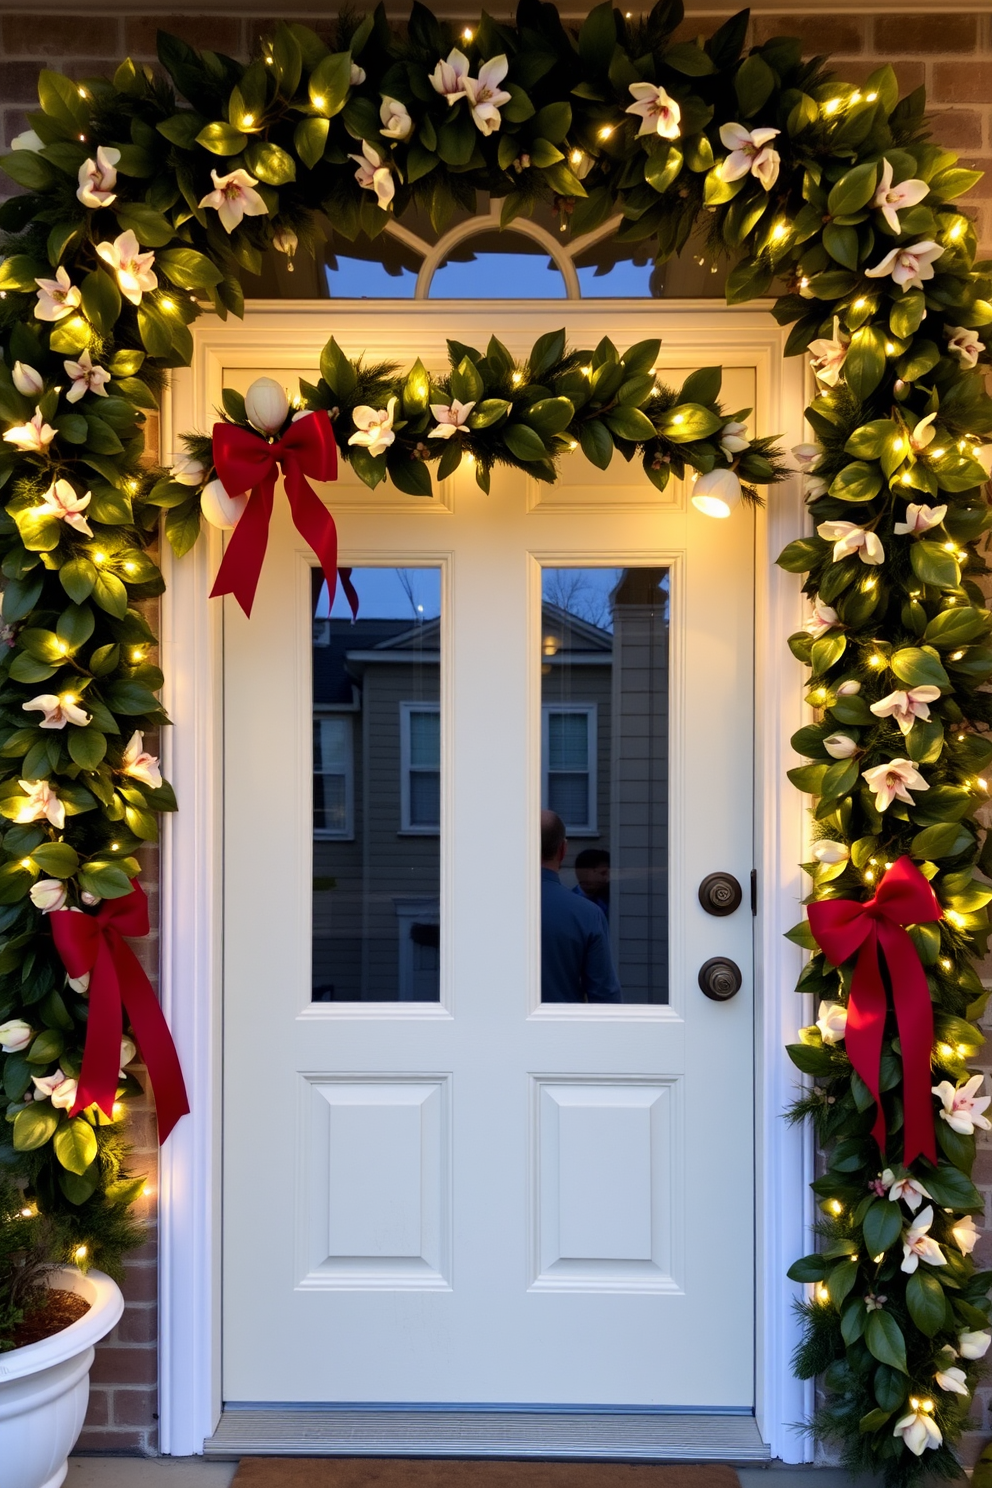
193	1472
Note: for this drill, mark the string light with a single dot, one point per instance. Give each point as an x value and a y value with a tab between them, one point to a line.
859	303
835	1206
26	863
946	963
831	106
576	157
80	1253
606	131
319	101
518	378
956	655
822	1294
876	660
780	230
247	121
467	34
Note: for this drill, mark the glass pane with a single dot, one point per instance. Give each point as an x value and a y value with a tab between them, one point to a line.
376	883
604	826
384	269
497	266
617	270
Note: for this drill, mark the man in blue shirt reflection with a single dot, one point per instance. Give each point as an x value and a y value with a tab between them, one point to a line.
576	965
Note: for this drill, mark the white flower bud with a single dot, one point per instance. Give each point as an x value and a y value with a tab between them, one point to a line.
219	507
81	984
826	851
849	689
267	405
48	894
89	898
286	241
15	1035
716	493
27	380
840	746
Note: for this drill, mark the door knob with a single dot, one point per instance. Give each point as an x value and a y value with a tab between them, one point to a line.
720	978
720	893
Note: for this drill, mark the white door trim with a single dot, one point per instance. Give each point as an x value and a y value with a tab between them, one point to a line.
192	648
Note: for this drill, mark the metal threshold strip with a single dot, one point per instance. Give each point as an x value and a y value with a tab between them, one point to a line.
622	1435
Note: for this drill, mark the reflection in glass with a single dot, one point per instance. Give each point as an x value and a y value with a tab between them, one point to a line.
497	266
377	788
604	785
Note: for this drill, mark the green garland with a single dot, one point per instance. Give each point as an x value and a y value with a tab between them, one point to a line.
139	209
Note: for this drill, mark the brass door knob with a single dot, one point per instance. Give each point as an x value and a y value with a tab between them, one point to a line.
720	893
720	978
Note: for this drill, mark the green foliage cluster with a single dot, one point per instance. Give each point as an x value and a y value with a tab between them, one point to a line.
827	192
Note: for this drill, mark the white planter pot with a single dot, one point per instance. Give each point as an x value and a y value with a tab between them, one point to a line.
45	1387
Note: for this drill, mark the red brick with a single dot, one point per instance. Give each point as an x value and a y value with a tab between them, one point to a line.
138	1325
982	1171
98	1410
217	33
140	1284
114	1365
962	82
77	35
135	1407
983	191
126	1441
19	83
818	33
926	33
956	129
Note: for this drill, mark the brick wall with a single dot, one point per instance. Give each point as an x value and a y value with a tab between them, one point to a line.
950	53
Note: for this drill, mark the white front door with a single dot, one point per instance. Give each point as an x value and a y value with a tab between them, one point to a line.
438	1187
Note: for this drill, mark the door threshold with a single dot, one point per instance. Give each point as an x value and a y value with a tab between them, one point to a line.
287	1431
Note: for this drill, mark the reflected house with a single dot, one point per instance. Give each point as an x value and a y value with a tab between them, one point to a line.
604	769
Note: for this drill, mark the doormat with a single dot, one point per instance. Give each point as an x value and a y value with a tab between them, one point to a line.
406	1472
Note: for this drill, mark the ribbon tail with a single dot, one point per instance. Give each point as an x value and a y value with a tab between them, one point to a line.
865	1026
350	592
241	565
102	1051
914	1015
154	1040
314	523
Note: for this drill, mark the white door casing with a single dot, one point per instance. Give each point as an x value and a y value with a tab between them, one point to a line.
287	338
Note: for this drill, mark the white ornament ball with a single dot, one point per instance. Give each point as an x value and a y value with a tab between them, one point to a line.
716	493
219	508
267	405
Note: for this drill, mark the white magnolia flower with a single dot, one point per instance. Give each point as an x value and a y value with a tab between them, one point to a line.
448	78
374	174
357	75
750	153
823	618
826	851
57	1087
966	1234
27	380
974	1345
964	344
920	518
840	746
906	1188
717	492
917	1245
234	198
97	178
57	297
135	275
918	1430
485	95
963	1108
396	119
58	711
909	267
829	356
922	434
806	456
139	765
952	1379
906	707
659	113
733	438
374	427
893	782
40	803
187	471
15	1035
220	508
832	1022
450	418
62	503
891	199
85	378
850	688
848	538
267	405
27	140
874	1303
49	894
34	437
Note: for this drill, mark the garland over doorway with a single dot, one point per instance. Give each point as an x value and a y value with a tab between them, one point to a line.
145	201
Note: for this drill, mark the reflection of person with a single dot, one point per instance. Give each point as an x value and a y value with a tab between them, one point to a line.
576	965
592	869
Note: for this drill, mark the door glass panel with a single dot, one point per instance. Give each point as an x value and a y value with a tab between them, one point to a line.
377	788
604	785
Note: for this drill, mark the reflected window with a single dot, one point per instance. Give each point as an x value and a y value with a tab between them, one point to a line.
377	788
381	269
497	266
604	747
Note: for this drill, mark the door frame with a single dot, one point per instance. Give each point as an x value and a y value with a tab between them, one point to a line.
192	867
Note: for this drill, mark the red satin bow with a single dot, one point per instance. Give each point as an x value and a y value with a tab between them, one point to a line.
245	461
93	943
843	927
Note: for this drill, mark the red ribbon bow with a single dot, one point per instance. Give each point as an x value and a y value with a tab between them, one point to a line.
93	943
845	926
245	461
